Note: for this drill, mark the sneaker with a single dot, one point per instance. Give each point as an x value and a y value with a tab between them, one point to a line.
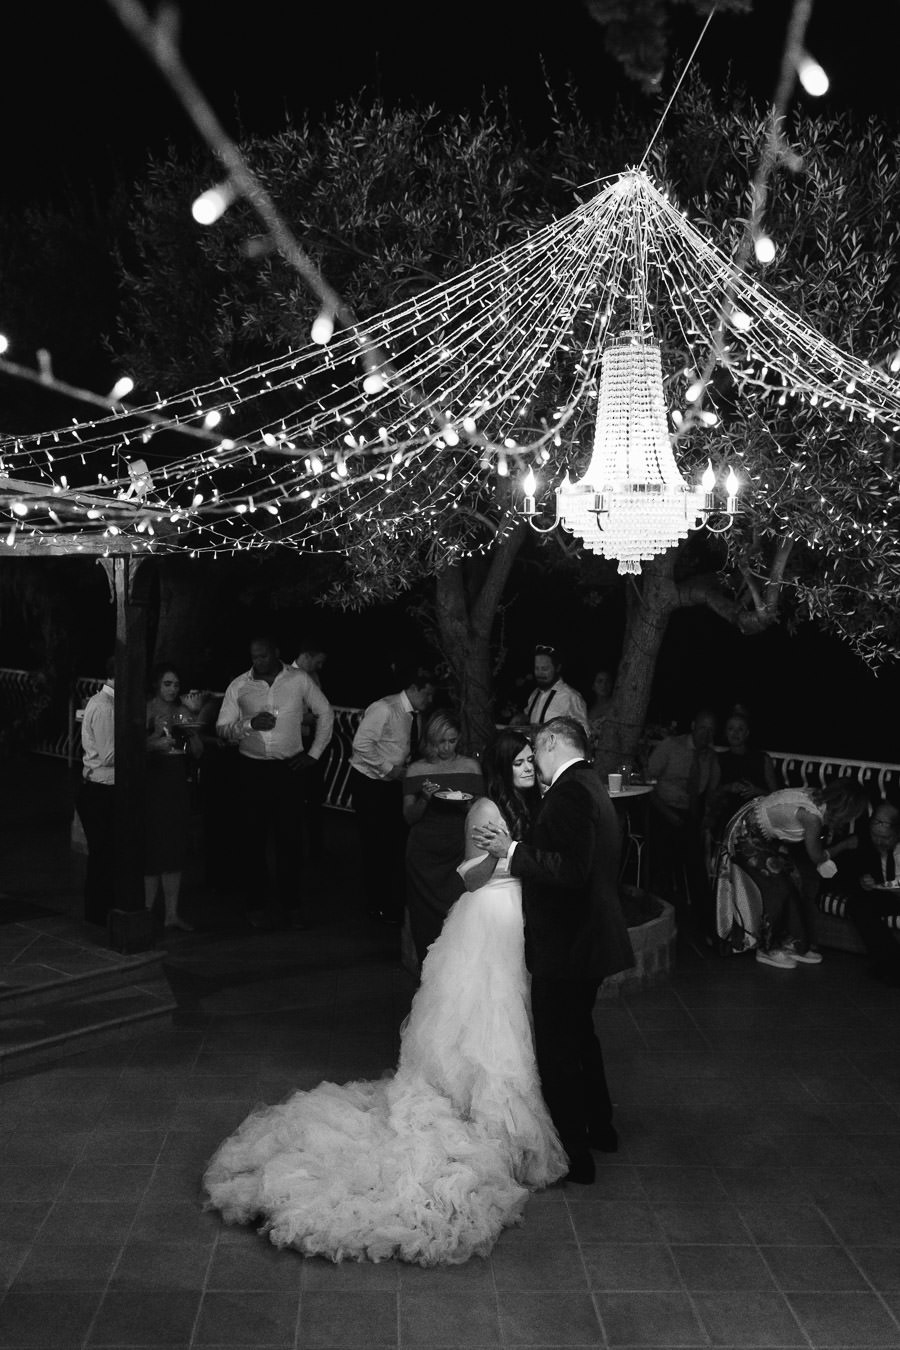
776	958
808	958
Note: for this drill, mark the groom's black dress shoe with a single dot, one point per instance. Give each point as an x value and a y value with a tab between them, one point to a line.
581	1169
604	1139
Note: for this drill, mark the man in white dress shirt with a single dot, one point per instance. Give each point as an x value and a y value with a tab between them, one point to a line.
552	697
385	741
311	658
263	712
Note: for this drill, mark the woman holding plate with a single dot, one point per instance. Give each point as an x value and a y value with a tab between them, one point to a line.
438	790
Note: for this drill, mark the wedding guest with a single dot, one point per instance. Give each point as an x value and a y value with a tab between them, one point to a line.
599	706
96	799
744	772
601	691
873	890
438	790
263	713
172	741
311	658
551	696
777	840
687	775
386	739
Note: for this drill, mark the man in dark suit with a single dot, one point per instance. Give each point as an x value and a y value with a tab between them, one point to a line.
876	865
575	935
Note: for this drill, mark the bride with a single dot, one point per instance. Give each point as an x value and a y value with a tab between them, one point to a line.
430	1163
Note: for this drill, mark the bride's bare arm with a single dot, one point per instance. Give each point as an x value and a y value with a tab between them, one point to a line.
479	866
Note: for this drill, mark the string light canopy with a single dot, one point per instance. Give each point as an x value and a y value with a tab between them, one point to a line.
496	368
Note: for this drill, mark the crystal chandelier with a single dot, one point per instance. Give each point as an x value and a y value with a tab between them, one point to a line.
632	502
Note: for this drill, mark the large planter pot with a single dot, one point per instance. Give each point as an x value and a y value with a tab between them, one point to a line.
653	943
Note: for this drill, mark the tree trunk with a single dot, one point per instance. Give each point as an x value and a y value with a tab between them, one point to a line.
650	603
465	616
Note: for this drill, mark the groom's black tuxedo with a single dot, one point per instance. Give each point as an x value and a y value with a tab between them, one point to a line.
569	869
575	935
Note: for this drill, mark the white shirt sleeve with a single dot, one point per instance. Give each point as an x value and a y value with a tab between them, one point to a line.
318	704
230	724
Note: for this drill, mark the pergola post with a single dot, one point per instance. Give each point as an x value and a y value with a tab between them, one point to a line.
131	717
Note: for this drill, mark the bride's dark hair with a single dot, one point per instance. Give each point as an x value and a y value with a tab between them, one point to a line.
516	807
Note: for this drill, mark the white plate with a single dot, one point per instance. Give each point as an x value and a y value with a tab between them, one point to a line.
449	795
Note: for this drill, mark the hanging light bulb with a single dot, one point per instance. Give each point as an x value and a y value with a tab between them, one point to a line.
811	75
322	329
213	203
764	248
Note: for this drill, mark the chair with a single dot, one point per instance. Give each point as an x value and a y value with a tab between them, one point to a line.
633	848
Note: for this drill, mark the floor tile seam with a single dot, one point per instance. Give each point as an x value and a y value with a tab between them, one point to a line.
697	1028
580	1245
204	1290
636	1026
604	1334
107	1288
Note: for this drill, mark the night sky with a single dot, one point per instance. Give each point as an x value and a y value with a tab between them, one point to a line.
83	104
81	99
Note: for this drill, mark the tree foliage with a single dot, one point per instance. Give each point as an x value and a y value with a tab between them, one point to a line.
389	202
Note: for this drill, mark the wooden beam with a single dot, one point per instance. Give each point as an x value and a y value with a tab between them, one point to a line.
83	545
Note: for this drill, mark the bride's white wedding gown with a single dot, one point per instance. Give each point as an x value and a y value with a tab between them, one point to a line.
430	1163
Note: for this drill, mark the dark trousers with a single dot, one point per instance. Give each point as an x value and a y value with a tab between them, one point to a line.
378	805
313	810
677	858
867	911
96	806
271	795
569	1059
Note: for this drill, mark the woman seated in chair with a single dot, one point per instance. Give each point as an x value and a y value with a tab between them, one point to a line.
765	879
745	772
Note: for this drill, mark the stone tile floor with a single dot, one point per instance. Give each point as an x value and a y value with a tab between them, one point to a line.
755	1200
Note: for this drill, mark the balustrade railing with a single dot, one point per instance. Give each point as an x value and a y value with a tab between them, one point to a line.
795	770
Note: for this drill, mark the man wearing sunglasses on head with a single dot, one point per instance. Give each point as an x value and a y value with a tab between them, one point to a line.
552	697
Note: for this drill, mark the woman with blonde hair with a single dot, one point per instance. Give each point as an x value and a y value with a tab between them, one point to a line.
438	790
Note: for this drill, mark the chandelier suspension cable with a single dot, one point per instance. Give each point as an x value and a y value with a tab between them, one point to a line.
681	79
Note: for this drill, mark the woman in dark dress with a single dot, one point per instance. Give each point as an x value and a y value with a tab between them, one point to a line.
744	773
171	739
438	790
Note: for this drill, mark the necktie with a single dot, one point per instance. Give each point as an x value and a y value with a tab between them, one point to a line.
549	700
693	785
888	866
413	735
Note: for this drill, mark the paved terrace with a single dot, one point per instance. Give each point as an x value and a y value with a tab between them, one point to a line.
755	1200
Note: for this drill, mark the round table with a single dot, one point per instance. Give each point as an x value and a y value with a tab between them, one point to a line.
633	790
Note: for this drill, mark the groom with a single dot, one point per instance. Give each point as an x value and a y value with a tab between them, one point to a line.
575	935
